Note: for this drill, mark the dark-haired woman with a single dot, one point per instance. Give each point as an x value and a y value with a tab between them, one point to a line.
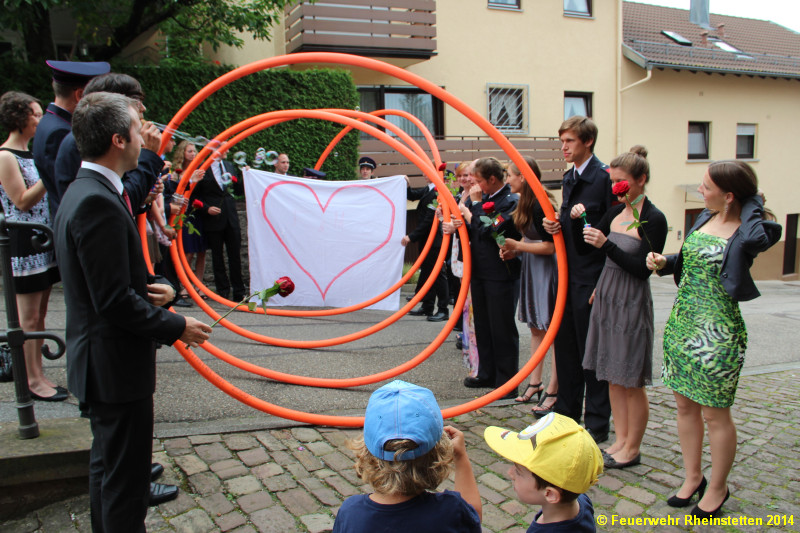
705	337
24	199
619	344
537	295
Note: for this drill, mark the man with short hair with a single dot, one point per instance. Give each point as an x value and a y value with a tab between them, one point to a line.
366	167
282	164
588	183
113	316
69	79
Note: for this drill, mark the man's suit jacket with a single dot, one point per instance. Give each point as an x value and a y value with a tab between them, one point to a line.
593	190
425	217
486	262
111	327
209	192
137	182
54	126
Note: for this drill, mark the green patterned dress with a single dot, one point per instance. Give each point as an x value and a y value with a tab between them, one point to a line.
705	337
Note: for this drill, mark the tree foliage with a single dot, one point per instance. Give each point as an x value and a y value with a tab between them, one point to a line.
107	26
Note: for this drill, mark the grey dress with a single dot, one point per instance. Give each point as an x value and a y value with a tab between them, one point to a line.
619	345
537	285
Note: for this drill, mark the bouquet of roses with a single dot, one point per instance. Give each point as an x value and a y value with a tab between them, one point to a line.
283	287
620	190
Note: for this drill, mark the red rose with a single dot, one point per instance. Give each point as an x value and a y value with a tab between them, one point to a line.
234	179
197	204
285	286
442	167
488	208
620	188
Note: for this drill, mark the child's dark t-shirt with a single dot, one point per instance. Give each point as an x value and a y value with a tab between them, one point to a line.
584	521
434	512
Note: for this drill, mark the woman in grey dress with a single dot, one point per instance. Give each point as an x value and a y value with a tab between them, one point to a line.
619	345
537	279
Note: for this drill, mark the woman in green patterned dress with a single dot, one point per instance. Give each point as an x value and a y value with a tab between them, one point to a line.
705	337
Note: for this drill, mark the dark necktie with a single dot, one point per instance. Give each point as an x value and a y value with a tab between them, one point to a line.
127	201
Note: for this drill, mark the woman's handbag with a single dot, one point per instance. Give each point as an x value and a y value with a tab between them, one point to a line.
6	372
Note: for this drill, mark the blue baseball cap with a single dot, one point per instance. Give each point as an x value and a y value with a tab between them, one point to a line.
401	410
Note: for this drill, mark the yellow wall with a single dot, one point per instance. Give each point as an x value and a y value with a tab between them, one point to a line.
657	113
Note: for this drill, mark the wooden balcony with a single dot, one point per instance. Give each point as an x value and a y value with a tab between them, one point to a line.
375	28
453	150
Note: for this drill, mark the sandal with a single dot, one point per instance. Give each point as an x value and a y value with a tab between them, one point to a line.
535	388
538	413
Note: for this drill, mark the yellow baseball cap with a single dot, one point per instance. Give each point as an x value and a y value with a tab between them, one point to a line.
556	449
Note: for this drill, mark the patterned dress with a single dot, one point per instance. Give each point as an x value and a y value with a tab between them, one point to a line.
705	337
33	270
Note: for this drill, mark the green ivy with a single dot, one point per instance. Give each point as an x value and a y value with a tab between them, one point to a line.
167	88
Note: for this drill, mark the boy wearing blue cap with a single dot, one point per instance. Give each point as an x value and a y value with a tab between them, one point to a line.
405	452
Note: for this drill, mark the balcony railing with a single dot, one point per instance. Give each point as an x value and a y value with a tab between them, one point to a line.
376	28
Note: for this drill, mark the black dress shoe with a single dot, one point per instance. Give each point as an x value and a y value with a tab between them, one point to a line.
60	395
156	469
441	316
420	312
183	301
598	437
160	493
697	512
675	501
609	462
475	383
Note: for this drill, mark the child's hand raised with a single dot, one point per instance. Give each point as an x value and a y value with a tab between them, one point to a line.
457	437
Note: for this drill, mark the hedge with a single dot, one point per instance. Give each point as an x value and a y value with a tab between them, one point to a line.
168	88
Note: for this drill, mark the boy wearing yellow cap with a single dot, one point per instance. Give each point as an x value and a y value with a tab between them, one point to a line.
555	463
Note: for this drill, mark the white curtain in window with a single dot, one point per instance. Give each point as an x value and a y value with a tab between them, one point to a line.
576	6
418	104
697	139
574	105
505	108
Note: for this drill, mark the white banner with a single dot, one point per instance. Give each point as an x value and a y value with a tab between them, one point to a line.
339	241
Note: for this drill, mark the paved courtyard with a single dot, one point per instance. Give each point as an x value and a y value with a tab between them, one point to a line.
295	478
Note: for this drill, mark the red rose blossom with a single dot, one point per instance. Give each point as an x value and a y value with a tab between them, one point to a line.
442	167
285	286
620	188
197	204
234	179
488	207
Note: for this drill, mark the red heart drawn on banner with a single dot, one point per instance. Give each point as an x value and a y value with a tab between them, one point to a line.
323	213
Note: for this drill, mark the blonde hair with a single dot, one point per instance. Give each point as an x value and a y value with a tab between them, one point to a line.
408	478
177	159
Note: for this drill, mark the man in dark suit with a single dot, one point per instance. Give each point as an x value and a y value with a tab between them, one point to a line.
69	79
587	183
113	318
221	224
495	283
420	234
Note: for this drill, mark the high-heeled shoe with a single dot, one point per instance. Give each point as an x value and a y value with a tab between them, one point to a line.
675	501
699	513
539	413
536	388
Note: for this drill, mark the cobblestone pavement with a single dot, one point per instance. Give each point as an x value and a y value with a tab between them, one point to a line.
295	479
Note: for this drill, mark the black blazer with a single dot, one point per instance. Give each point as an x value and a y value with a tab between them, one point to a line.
752	237
208	191
54	126
593	190
137	182
655	229
111	327
486	262
425	216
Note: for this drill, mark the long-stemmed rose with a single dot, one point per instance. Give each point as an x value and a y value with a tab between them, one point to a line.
493	220
621	190
283	287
